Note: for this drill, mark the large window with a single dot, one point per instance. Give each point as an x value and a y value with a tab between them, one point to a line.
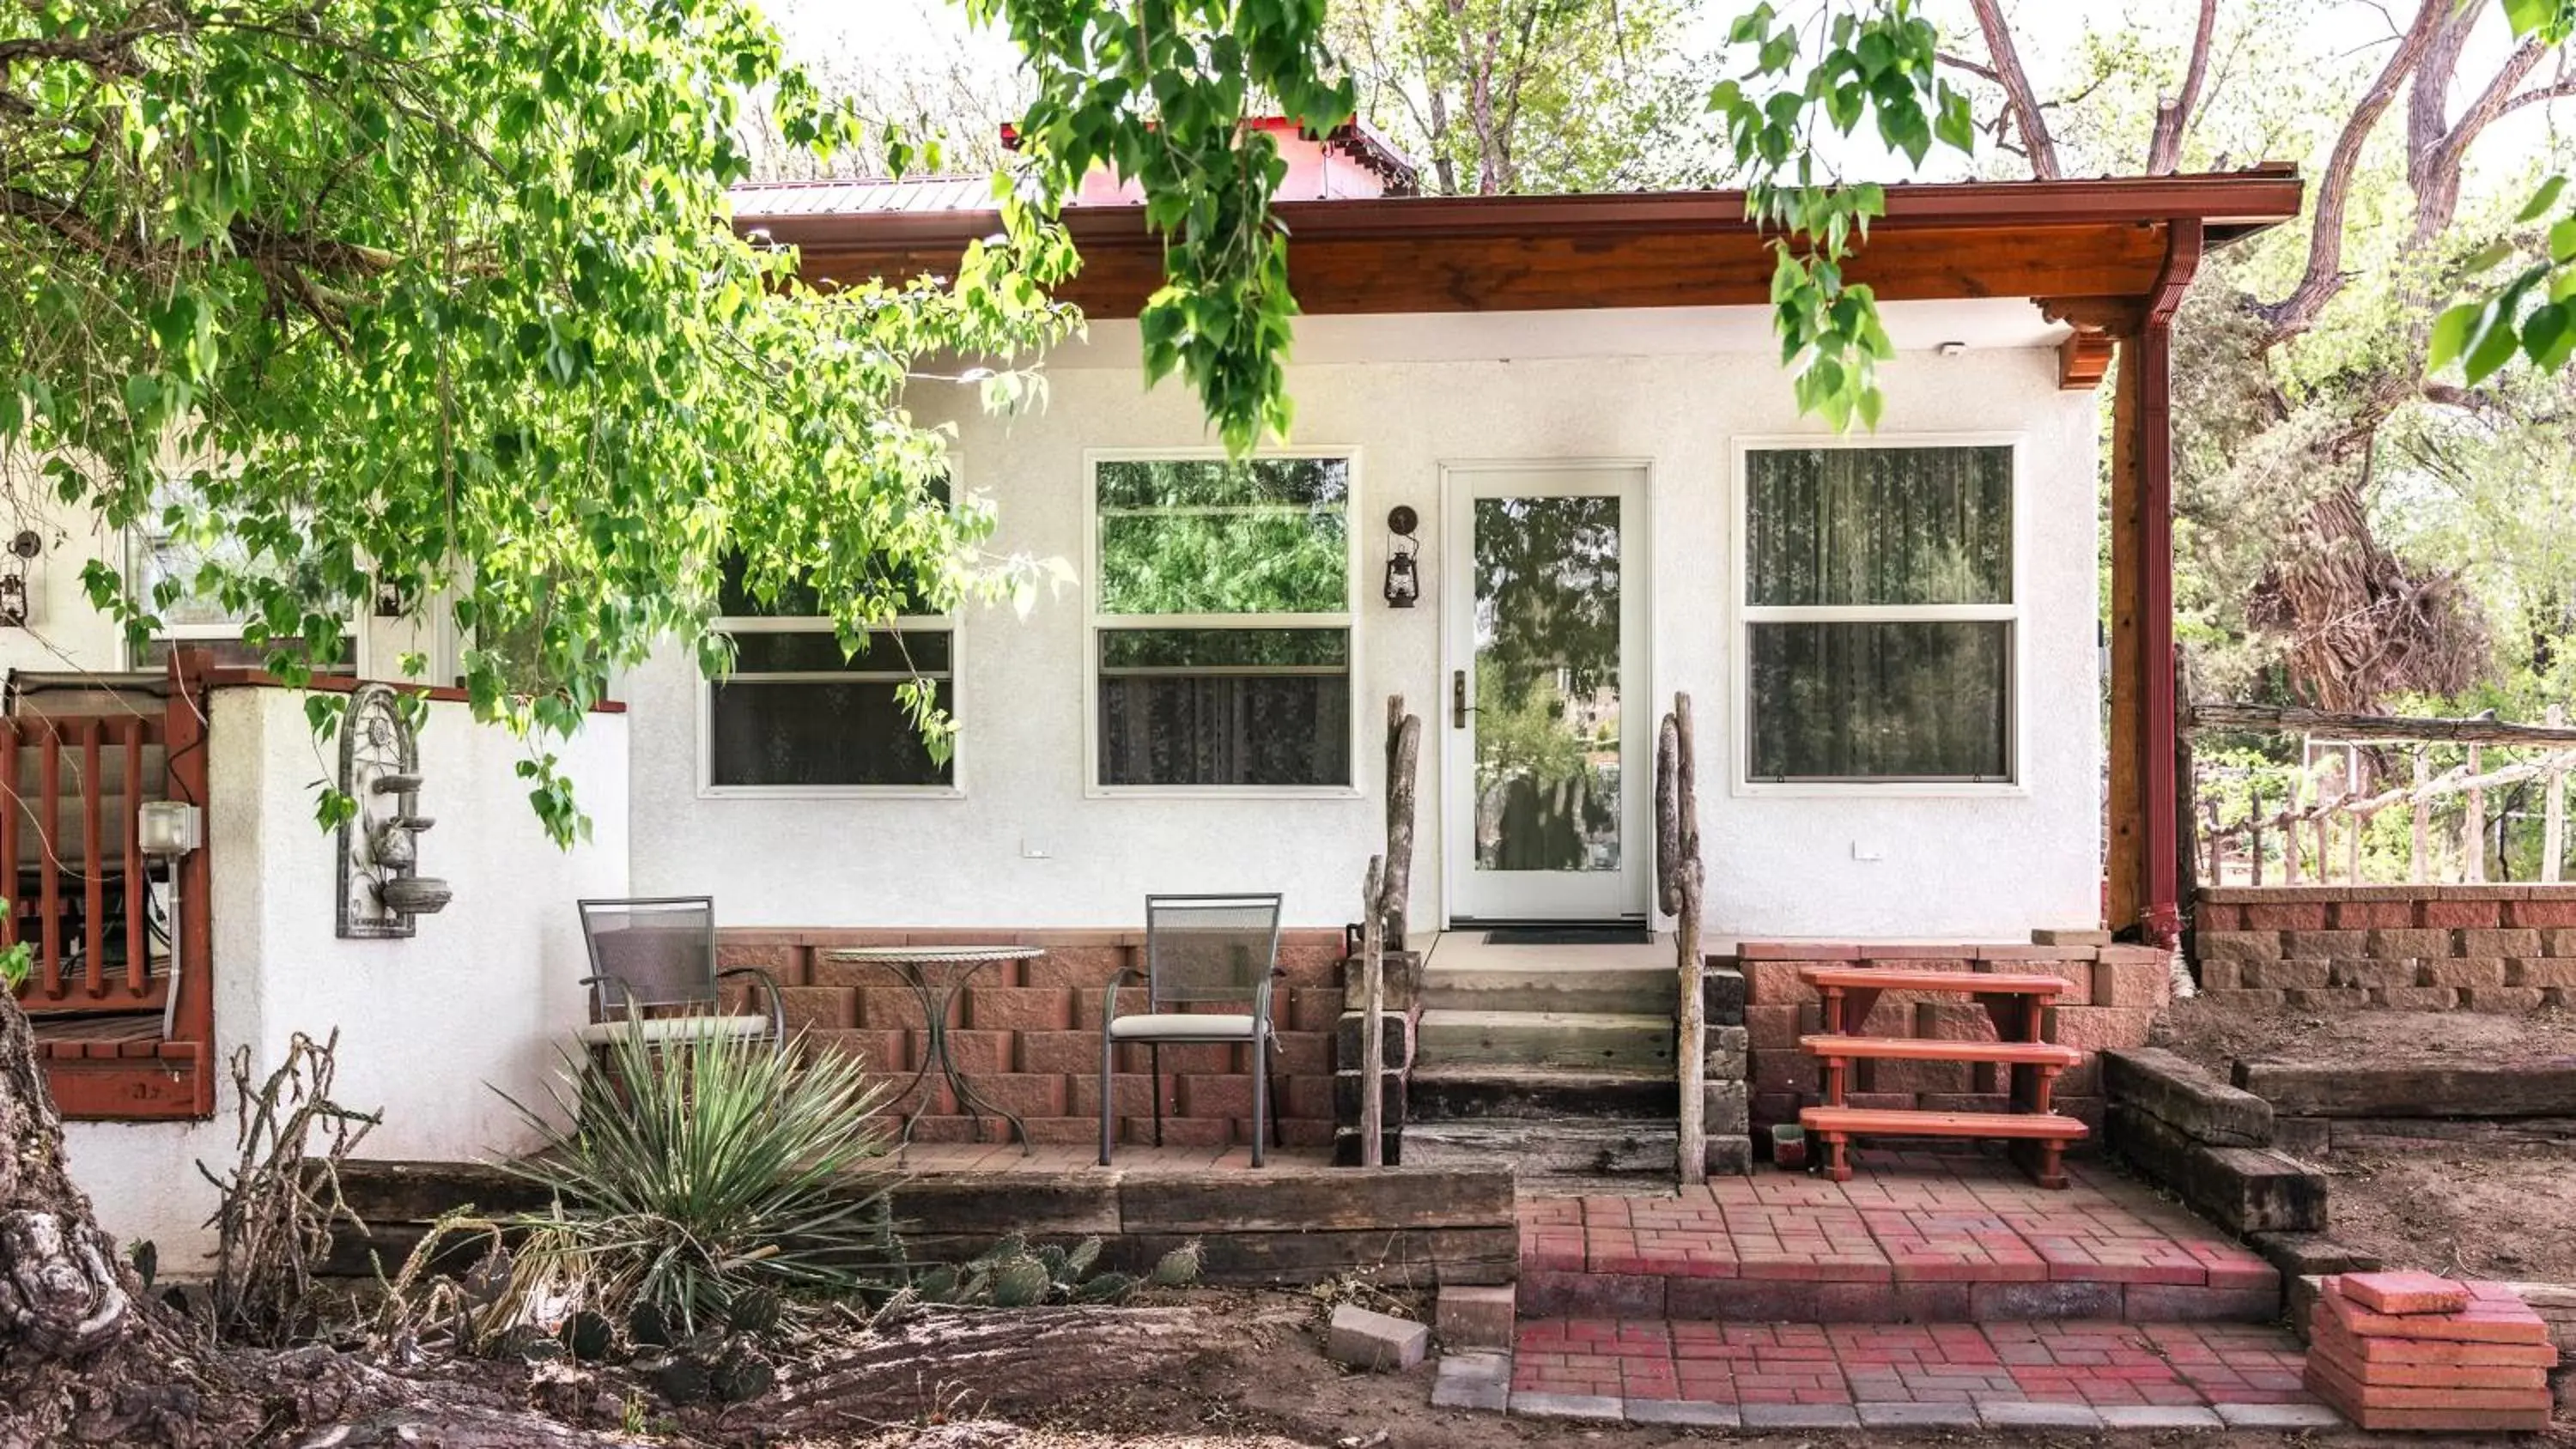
796	715
1879	614
1221	622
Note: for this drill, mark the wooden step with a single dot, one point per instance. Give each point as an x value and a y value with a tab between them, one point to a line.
1630	991
1976	983
1613	1041
1451	1094
1919	1049
1875	1122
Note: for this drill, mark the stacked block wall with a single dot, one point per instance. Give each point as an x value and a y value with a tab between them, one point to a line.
1027	1033
2504	948
2111	999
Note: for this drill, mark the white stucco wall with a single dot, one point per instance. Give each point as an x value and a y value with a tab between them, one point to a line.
1026	846
480	998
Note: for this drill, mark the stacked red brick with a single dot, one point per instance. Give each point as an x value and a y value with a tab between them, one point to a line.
2491	948
2413	1351
1027	1033
2111	998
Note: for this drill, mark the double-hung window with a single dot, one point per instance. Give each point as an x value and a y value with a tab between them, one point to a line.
797	715
1221	622
1879	615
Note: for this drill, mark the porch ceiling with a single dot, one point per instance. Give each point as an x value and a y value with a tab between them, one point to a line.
2101	238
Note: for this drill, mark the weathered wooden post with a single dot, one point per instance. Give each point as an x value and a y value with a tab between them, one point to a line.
2420	868
2473	828
1678	874
1403	750
2553	819
2254	828
1373	1029
2290	820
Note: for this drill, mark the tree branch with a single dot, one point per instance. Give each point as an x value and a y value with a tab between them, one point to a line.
2173	117
2436	176
2019	100
2324	277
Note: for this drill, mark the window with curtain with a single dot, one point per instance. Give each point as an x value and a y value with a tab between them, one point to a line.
797	713
1879	614
1221	622
172	546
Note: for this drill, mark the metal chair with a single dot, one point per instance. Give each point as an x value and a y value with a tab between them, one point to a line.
1199	949
653	968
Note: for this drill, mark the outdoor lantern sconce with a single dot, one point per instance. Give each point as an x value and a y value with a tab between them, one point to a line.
1403	581
380	888
13	584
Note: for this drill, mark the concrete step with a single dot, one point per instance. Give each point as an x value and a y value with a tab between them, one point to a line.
1453	1094
1626	991
1553	1156
1592	1040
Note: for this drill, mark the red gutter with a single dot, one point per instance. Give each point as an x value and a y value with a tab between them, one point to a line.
2226	206
2161	922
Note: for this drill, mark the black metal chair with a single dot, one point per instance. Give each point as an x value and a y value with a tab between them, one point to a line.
1199	949
653	969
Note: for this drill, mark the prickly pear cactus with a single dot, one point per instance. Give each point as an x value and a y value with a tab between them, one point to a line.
1021	1282
1107	1288
647	1328
753	1311
590	1337
1179	1268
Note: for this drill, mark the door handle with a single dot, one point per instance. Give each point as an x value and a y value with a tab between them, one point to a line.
1458	708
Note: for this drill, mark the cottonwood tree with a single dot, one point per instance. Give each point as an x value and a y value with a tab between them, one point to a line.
2301	358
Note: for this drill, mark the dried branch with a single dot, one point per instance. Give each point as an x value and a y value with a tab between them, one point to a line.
2019	100
273	1225
2324	276
2173	116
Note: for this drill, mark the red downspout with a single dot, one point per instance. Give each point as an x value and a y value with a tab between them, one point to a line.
2161	922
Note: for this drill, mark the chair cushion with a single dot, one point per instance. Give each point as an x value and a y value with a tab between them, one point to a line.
1181	1026
669	1028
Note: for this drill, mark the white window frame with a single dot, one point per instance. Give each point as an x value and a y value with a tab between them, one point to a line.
948	623
1095	623
141	536
1743	615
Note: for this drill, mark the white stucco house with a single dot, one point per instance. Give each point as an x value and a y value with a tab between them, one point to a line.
1547	474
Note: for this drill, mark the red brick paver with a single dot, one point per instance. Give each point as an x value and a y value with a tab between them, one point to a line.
1918	1237
2097	1364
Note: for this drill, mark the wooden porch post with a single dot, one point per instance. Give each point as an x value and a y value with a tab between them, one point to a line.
2143	888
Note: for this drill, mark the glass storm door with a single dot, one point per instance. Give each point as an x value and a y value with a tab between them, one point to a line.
1549	765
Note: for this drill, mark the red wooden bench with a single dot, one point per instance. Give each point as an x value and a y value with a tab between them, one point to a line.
2016	1002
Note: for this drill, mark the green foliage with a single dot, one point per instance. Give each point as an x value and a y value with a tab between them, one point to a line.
1875	61
16	961
442	296
1158	94
702	1179
2533	314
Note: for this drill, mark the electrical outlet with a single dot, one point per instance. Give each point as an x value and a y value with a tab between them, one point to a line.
1032	850
1867	850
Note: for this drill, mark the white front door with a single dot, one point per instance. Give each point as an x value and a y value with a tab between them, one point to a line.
1548	758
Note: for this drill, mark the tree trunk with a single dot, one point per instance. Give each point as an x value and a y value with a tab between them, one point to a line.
64	1295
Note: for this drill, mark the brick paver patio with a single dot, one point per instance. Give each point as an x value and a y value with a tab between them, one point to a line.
1921	1237
1990	1372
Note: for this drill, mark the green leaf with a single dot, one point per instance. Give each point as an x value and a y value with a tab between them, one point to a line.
2452	332
2546	335
2543	199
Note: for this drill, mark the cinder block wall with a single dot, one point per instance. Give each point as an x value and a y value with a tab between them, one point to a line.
2111	999
1026	1034
2498	948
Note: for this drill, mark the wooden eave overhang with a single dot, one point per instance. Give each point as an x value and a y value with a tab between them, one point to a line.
2049	239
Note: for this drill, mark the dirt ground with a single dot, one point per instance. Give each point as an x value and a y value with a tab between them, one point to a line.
2217	1037
1267	1385
2486	1209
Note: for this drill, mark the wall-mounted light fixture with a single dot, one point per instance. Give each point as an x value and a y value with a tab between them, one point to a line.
1403	582
13	582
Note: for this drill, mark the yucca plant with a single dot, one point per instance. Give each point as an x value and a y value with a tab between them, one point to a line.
691	1172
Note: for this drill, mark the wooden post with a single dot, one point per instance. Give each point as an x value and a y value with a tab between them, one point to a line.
2254	830
2420	868
2124	896
1373	1029
2553	826
2473	830
2290	820
1403	750
1678	871
2217	842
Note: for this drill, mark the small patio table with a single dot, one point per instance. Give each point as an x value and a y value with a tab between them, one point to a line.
936	975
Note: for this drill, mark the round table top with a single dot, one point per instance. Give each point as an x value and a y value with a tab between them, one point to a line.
934	955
